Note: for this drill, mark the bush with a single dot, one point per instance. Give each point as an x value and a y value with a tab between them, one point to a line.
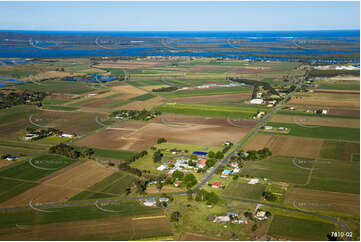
161	140
174	217
189	180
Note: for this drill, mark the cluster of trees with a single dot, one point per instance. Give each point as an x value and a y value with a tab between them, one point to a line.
209	197
188	180
266	86
127	168
164	89
218	155
134	114
174	217
26	97
161	140
157	156
71	152
138	156
259	154
269	196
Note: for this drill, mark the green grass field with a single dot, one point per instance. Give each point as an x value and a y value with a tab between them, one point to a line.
77	213
26	171
210	111
48	101
321	132
237	189
336	176
58	87
299	229
339	150
299	113
60	108
277	168
123	155
11	188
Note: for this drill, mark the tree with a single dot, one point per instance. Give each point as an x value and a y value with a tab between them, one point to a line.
189	194
219	155
254	227
178	175
269	196
212	197
189	180
194	157
211	154
161	140
174	217
210	162
157	156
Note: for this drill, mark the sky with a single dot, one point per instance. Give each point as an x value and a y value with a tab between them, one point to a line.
179	16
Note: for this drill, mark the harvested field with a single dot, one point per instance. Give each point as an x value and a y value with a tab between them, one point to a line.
345	112
320	121
114	228
336	91
53	74
182	129
140	105
150	88
307	199
286	145
63	186
109	139
254	70
326	100
4	163
197	237
201	99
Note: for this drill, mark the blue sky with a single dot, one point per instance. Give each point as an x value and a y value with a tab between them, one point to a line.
185	16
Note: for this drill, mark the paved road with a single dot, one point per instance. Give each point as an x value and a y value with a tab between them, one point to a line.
229	156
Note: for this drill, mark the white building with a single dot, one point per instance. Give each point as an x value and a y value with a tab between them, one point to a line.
67	136
324	111
253	181
30	136
162	168
256	101
150	203
268	127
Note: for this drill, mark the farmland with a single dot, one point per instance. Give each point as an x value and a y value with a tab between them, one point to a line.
299	229
243	190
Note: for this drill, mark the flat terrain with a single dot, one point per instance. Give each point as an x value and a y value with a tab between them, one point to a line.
181	129
307	199
286	145
327	100
62	187
316	120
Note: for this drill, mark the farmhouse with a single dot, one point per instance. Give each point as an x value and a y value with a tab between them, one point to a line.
11	158
162	168
163	199
177	183
324	111
233	214
267	127
256	101
226	173
235	164
30	136
261	215
236	170
217	184
202	163
253	181
67	136
150	202
221	219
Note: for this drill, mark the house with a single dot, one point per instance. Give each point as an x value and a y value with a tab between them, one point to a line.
67	136
260	215
292	108
272	102
162	168
150	202
259	95
236	170
201	154
324	111
256	101
240	221
202	163
217	184
227	143
282	128
11	158
177	183
30	136
253	181
260	114
163	199
267	127
221	219
235	164
233	214
226	173
269	105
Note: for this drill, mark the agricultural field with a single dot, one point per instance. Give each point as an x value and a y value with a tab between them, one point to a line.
292	228
244	191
